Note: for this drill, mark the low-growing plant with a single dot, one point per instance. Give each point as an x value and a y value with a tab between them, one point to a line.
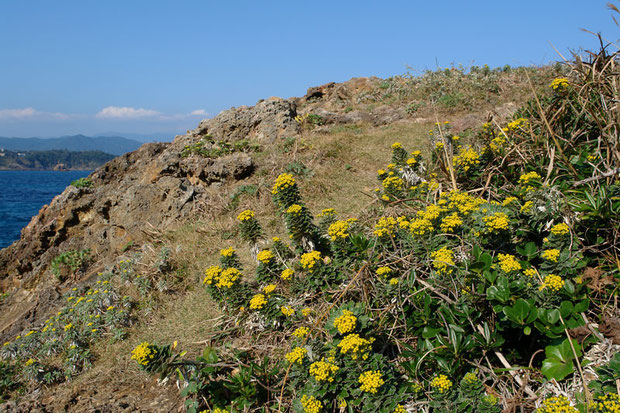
69	263
82	183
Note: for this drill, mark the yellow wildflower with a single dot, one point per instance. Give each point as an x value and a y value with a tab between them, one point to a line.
283	181
551	255
338	230
286	274
296	355
560	229
346	322
301	332
323	371
287	311
258	302
508	263
246	215
370	381
441	383
265	256
309	260
311	404
552	282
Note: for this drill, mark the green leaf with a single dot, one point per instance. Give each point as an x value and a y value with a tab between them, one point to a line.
519	312
559	361
566	308
582	306
527	330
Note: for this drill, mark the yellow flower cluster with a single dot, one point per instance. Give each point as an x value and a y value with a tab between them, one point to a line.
403	222
420	226
439	145
68	326
212	274
509	200
607	403
441	383
287	311
338	230
346	322
467	158
370	381
283	181
258	302
397	145
306	312
296	355
552	282
560	229
265	256
323	371
451	222
286	274
443	260
228	252
525	179
327	212
311	404
559	83
558	404
393	281
383	271
551	255
355	345
470	378
508	263
517	124
309	259
463	202
527	207
228	277
294	209
496	143
301	332
399	409
393	184
497	222
530	272
386	226
268	289
246	215
144	353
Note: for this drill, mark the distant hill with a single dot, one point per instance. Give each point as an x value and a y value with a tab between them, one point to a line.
114	145
52	160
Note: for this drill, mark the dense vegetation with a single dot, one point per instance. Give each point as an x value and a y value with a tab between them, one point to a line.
54	159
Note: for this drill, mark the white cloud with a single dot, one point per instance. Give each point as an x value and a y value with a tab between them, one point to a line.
199	112
31	114
117	112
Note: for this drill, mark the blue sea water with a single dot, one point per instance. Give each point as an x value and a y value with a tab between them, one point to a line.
23	193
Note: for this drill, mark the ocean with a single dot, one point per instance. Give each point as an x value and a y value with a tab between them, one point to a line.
23	193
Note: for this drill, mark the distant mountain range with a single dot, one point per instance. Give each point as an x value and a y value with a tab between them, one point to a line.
60	160
115	145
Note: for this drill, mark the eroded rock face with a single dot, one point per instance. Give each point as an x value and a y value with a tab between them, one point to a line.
151	189
267	120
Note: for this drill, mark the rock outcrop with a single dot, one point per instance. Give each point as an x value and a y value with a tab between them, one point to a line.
149	190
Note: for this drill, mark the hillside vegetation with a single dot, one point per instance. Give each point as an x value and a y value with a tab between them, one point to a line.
416	245
55	159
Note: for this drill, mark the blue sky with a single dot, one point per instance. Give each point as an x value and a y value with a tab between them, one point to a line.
154	66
